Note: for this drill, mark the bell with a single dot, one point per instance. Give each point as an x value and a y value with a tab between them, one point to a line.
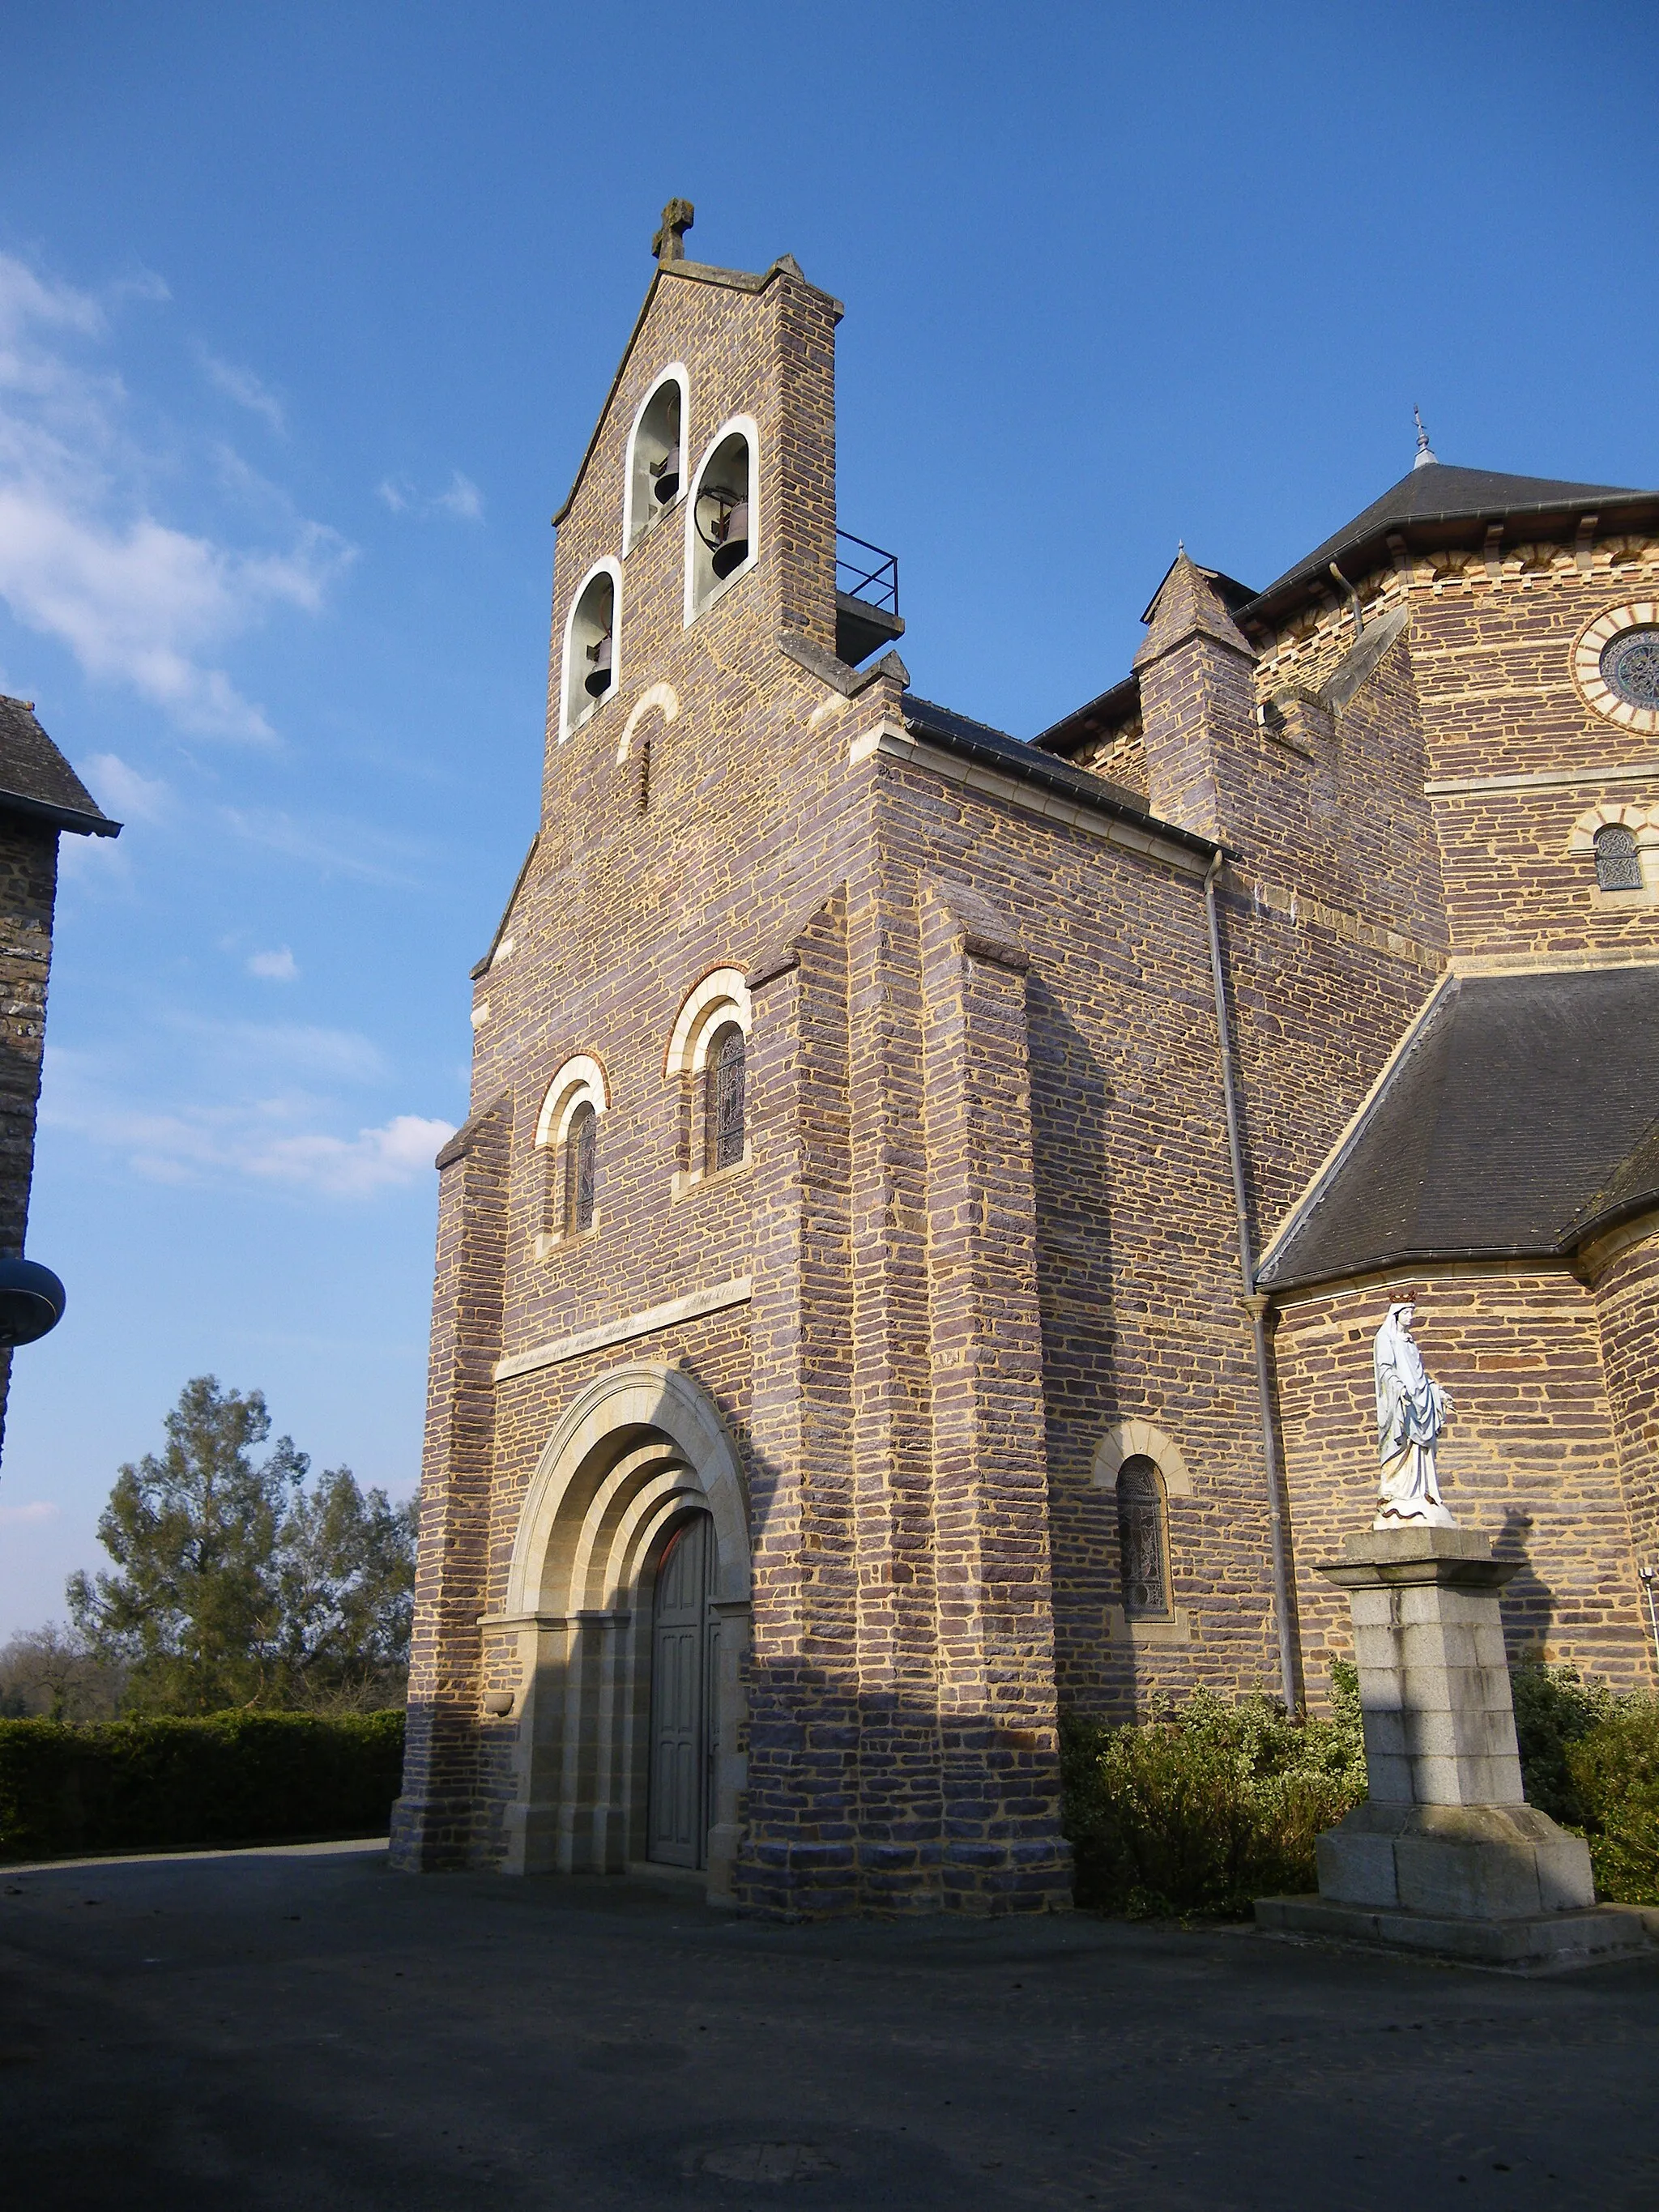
598	679
733	549
665	477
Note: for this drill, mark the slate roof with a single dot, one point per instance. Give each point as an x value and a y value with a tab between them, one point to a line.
1438	502
995	748
1521	1115
1432	505
36	780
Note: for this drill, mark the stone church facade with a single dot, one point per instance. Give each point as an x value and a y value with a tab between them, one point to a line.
911	1264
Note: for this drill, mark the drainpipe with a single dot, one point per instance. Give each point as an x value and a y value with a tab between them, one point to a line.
1255	1306
1353	601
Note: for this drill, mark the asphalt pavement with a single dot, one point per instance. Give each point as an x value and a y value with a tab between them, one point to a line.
301	2028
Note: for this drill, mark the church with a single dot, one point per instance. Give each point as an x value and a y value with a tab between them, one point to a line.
911	1266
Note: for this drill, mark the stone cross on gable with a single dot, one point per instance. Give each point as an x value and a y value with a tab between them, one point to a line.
677	217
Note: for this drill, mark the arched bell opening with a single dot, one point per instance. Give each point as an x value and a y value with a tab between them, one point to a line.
629	1745
722	521
656	461
590	647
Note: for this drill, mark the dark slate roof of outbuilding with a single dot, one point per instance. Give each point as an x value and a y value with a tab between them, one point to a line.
1439	500
35	779
1517	1117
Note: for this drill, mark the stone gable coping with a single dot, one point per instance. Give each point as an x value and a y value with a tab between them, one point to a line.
1187	605
1362	657
697	273
985	935
836	673
464	1138
784	953
480	969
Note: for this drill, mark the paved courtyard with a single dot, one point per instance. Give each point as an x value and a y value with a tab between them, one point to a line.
302	2028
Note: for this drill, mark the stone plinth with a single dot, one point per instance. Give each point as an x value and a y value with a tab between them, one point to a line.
1446	1855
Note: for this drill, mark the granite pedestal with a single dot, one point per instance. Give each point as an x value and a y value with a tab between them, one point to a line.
1446	1855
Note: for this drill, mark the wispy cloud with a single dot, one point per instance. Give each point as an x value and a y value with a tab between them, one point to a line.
242	385
123	791
83	559
281	1053
461	499
334	848
283	1139
38	1509
279	967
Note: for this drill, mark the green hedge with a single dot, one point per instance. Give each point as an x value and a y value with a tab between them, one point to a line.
238	1777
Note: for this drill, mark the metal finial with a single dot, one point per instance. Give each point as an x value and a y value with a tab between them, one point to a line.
677	217
1426	456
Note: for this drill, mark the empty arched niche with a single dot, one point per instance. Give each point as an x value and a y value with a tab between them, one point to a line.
656	454
590	645
721	519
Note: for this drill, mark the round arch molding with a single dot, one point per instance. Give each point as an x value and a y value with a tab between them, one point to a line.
631	1460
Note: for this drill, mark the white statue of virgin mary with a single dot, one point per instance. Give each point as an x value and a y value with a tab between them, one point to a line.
1411	1411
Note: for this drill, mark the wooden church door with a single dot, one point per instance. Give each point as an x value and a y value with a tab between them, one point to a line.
684	1653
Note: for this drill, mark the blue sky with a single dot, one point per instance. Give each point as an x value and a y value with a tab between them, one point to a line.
305	314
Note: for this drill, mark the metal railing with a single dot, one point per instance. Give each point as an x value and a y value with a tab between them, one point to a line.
877	585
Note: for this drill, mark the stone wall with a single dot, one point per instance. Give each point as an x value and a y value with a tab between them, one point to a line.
984	1218
1625	1275
29	889
1491	643
1530	1457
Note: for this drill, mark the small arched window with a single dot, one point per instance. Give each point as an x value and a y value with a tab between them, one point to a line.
1617	863
590	647
723	1111
656	461
581	1147
721	526
1143	1549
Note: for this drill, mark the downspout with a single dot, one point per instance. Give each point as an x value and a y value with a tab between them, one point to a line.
1353	601
1255	1306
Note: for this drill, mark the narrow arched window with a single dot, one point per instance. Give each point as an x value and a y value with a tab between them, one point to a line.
724	1099
1617	863
581	1152
1141	1537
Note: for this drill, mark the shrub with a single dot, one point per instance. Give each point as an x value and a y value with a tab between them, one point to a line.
1203	1808
1614	1771
235	1778
1554	1710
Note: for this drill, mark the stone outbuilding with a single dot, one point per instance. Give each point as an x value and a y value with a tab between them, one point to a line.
41	798
911	1264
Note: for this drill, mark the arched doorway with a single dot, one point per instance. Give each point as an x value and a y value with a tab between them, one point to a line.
628	1600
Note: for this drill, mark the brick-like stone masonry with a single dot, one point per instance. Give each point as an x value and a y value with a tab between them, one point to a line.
986	1213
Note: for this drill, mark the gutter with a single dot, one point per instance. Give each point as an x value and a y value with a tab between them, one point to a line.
61	817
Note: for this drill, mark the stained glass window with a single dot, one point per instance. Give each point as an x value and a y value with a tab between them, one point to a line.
1629	665
725	1097
581	1147
1141	1537
1617	865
